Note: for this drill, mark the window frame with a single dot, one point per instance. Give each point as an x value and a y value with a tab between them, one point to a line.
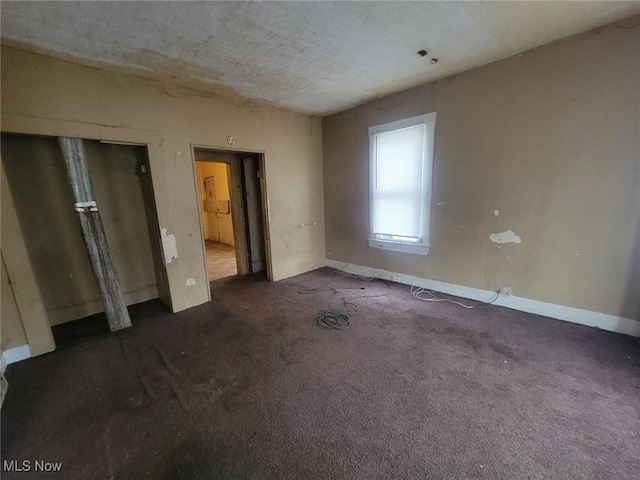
394	244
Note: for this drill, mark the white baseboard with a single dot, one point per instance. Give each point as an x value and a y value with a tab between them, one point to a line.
14	355
589	318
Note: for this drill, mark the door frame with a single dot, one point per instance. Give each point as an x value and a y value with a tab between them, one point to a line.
237	204
34	318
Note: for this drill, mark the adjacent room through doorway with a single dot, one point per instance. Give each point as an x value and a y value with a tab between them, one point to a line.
217	224
231	211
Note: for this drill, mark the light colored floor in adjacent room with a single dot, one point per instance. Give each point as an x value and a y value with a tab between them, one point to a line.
221	260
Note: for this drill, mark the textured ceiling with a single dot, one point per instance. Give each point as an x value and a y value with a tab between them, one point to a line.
314	57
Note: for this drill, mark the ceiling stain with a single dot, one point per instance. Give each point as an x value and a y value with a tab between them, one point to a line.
311	57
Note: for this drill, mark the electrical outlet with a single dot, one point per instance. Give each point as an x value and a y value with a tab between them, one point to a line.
395	278
505	291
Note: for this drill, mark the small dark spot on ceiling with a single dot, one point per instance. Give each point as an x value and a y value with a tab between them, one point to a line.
434	61
422	53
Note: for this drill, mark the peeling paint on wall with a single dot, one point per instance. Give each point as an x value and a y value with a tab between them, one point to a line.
505	237
168	246
190	282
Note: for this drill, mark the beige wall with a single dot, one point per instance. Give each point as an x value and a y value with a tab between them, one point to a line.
550	139
12	332
29	311
44	204
47	96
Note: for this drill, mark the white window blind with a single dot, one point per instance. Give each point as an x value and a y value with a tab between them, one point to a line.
398	184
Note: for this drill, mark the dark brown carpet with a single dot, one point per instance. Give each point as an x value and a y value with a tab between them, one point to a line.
249	387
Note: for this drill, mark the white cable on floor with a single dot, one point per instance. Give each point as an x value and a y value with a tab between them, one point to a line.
416	292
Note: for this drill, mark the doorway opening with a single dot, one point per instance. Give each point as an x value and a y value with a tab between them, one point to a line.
216	219
44	206
232	206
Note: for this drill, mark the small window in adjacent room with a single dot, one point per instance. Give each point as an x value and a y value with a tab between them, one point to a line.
401	157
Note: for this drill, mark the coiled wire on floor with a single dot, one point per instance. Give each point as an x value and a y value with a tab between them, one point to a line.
331	319
337	320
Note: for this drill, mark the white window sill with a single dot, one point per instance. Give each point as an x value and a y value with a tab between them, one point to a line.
399	247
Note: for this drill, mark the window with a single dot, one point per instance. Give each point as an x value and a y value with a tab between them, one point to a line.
401	156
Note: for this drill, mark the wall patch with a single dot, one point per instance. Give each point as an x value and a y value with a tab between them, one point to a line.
505	237
168	246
